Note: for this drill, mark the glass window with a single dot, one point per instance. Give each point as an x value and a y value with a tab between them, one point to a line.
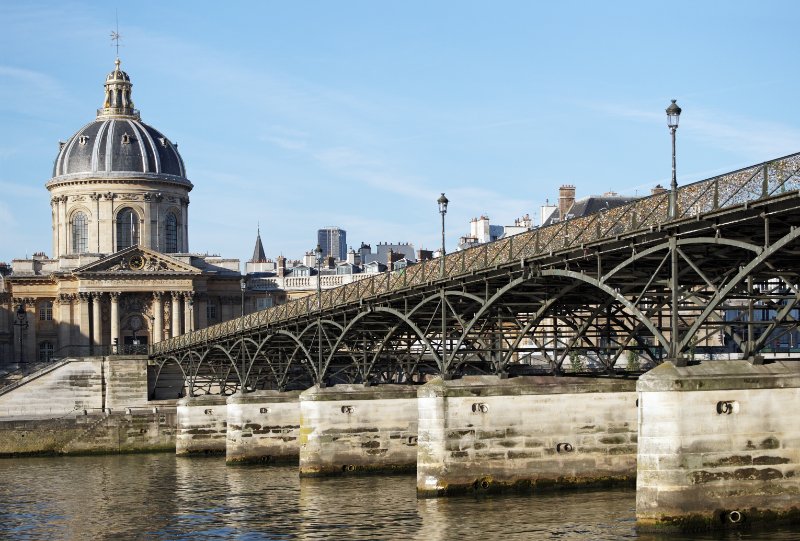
46	311
127	229
171	233
45	352
80	233
211	312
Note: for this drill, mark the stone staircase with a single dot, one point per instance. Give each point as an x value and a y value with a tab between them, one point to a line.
16	375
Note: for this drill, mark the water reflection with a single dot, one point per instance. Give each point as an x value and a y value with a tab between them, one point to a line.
161	496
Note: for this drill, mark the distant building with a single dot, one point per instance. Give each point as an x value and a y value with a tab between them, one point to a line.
383	249
481	231
333	242
569	207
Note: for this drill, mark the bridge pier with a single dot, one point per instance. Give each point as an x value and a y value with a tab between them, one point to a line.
486	434
263	426
352	429
202	425
719	445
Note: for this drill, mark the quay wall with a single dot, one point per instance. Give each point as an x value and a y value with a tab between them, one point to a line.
202	425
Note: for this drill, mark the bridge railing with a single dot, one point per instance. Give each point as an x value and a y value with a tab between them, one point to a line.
728	190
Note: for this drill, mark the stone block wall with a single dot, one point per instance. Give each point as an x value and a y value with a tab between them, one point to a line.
126	382
355	429
71	386
719	445
488	434
202	425
263	426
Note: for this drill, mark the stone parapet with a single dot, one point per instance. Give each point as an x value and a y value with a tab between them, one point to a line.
353	429
719	445
201	425
486	434
263	426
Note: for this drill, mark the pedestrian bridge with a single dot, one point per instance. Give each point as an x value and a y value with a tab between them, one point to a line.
709	271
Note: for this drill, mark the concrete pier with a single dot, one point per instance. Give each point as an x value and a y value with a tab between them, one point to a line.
483	433
202	425
348	429
263	426
719	445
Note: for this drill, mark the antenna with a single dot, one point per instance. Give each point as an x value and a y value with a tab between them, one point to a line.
115	34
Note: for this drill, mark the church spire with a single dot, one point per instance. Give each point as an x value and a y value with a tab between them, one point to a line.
118	102
258	251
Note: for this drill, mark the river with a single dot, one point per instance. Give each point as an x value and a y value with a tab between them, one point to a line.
161	496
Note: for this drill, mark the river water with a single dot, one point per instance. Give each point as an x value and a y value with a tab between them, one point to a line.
161	496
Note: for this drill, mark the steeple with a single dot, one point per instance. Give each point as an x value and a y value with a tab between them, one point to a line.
258	251
118	102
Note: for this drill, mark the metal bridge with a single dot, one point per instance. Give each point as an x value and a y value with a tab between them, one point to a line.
709	270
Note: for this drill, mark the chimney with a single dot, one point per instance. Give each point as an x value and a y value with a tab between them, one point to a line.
281	266
566	198
659	189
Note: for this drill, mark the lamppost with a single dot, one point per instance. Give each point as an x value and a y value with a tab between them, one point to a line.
243	287
318	254
22	323
673	114
442	210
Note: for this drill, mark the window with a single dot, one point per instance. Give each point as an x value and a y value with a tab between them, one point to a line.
211	312
262	303
46	311
171	234
80	233
45	352
127	229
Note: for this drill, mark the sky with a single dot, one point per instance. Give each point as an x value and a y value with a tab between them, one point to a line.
294	116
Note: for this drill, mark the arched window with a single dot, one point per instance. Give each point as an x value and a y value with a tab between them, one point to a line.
171	233
127	229
45	352
80	233
45	311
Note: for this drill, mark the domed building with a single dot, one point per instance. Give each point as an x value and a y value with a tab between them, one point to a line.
121	273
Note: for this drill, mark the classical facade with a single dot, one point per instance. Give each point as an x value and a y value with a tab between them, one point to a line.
121	271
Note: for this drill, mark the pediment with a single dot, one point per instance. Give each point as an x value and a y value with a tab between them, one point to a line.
137	260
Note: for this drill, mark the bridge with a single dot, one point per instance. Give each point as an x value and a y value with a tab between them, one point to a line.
708	271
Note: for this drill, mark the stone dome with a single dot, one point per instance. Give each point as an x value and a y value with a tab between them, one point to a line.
118	144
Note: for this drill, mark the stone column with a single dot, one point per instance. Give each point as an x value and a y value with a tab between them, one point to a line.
63	226
176	314
31	347
115	318
158	317
188	311
65	320
202	311
97	321
83	323
185	225
18	336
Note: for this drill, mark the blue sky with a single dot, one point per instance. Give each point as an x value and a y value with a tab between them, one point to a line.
300	115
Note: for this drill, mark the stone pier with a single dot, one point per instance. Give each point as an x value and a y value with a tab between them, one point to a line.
486	434
263	426
202	425
348	429
719	445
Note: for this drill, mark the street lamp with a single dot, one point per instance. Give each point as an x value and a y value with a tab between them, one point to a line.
318	254
22	323
442	210
243	287
673	115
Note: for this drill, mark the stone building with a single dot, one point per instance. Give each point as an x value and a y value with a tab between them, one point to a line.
121	271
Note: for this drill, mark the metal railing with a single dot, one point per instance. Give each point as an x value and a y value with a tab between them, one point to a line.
730	190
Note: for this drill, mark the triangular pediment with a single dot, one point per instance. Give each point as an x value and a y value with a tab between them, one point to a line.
137	260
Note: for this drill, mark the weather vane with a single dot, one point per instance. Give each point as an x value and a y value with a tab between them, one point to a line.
115	36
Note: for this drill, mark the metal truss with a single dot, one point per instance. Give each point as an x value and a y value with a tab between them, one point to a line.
630	283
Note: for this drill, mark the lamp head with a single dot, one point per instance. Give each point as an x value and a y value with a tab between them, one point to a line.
673	115
442	204
243	284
